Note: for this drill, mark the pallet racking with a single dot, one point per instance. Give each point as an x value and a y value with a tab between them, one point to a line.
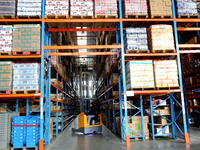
56	25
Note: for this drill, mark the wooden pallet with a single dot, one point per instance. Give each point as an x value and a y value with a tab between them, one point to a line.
140	138
81	17
188	16
25	148
26	91
56	16
148	88
5	53
27	53
168	88
28	17
164	51
7	16
5	92
106	16
161	16
137	51
136	16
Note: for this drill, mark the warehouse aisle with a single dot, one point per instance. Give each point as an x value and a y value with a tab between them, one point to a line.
107	141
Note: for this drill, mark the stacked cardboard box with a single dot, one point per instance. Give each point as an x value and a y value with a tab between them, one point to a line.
51	128
114	78
135	7
186	7
162	111
6	36
7	105
135	39
105	8
107	64
26	38
29	8
139	74
160	37
166	73
162	130
26	76
81	8
161	8
6	76
7	7
59	7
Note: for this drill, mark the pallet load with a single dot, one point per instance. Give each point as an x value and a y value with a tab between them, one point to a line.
26	39
161	38
7	8
31	8
6	32
186	8
139	74
6	77
166	73
160	8
81	9
135	8
190	62
106	9
135	40
57	9
26	78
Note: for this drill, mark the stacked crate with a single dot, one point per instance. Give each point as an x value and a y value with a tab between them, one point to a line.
135	39
186	8
7	8
29	8
105	8
161	39
26	77
166	73
5	77
81	8
160	8
58	8
135	8
6	37
139	74
26	39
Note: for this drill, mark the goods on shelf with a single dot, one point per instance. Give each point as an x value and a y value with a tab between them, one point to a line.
190	62
26	39
29	8
135	8
57	83
160	38
161	8
139	74
6	74
81	8
162	111
186	7
105	8
60	96
6	32
159	102
162	130
107	65
51	128
5	128
135	39
26	77
193	92
114	78
25	131
59	7
7	7
6	105
166	73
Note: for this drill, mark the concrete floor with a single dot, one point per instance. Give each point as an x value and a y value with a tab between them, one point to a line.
108	141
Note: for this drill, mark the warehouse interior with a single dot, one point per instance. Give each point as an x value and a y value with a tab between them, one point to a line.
97	74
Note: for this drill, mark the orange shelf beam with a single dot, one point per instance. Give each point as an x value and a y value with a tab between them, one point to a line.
189	45
148	19
81	20
83	47
189	51
187	29
83	54
20	56
81	29
20	20
187	19
56	111
55	100
37	95
150	54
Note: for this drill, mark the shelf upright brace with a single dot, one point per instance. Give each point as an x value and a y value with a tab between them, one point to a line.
142	117
57	108
109	118
123	75
173	116
152	121
17	105
186	135
27	107
62	111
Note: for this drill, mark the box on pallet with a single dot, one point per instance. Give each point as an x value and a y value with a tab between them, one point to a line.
139	74
160	37
162	130
186	7
60	7
6	38
81	8
161	8
7	7
26	37
166	73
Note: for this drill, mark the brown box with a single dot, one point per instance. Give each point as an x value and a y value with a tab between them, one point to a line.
161	120
51	128
113	79
115	93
